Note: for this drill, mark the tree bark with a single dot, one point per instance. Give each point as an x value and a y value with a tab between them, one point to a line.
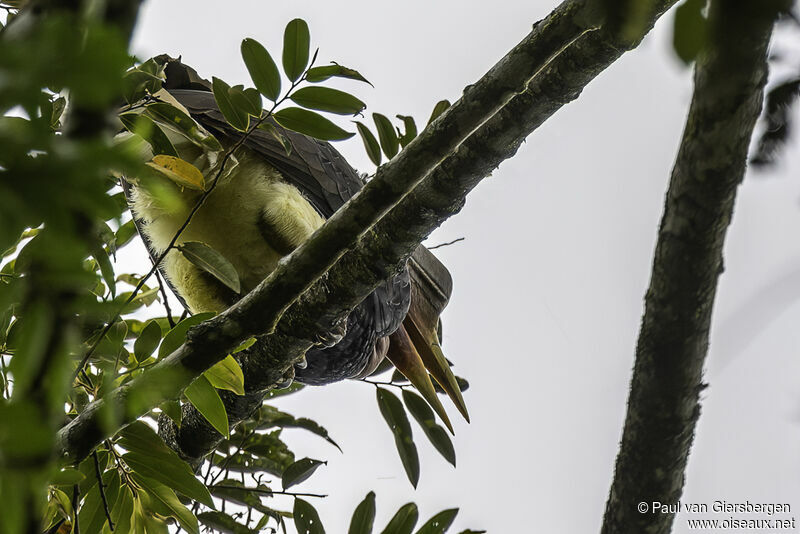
663	406
378	254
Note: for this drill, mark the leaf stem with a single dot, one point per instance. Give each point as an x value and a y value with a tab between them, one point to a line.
271	492
102	489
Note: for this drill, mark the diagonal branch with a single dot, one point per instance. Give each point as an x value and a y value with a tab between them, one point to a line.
382	250
663	407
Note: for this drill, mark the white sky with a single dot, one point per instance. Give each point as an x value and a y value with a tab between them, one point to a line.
549	283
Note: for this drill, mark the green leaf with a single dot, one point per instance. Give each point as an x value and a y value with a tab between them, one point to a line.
320	74
177	335
147	129
270	417
254	98
173	410
211	262
270	447
31	341
282	139
299	472
59	105
236	492
169	473
235	115
296	45
370	143
690	30
139	81
106	269
87	468
67	477
306	518
395	416
438	109
242	463
275	393
147	341
179	121
403	521
224	523
206	399
262	69
249	342
124	234
410	127
92	514
327	99
427	420
122	510
164	501
439	523
311	124
149	456
247	100
388	137
179	171
226	374
364	516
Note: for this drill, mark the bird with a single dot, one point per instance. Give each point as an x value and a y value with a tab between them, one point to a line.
269	198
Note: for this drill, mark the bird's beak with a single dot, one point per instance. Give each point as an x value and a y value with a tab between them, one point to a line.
423	336
408	361
415	351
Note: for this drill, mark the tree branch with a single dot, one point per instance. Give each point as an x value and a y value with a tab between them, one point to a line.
385	247
663	407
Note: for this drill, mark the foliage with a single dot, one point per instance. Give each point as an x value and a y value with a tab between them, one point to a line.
72	327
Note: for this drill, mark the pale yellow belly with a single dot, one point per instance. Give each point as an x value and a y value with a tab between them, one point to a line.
229	223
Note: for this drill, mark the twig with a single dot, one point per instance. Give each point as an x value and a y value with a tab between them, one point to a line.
222	468
76	497
271	492
447	244
160	280
102	489
377	383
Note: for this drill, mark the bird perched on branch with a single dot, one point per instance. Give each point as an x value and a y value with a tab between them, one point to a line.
269	197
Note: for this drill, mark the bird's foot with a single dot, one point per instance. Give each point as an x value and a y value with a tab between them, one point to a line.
332	337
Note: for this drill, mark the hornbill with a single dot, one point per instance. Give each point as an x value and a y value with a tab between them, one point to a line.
269	199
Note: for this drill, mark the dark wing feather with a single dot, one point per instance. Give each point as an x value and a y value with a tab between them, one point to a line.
316	168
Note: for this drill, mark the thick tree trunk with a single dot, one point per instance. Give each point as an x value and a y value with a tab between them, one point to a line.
663	406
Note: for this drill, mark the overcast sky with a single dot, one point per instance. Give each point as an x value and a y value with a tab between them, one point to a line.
550	279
